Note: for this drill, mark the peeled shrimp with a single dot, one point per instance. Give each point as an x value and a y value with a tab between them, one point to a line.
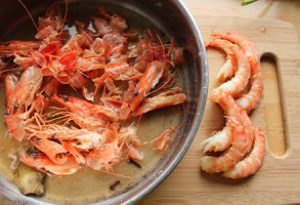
230	66
252	162
250	100
218	142
237	84
242	138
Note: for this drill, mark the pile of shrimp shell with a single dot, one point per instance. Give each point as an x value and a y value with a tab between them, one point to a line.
238	150
117	75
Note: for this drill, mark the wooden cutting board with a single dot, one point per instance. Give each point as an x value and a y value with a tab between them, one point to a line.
278	115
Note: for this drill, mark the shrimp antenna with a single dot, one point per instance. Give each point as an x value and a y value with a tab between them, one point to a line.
163	47
29	14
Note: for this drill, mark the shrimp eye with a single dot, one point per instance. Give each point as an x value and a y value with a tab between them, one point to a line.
135	93
36	140
46	96
65	98
5	112
60	155
16	106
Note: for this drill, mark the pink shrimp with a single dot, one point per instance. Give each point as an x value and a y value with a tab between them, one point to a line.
24	91
250	100
150	78
81	139
252	162
237	84
242	138
230	66
168	98
218	142
82	107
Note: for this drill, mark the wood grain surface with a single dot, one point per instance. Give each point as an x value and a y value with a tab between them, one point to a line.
278	181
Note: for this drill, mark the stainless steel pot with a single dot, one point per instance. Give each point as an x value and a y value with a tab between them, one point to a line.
170	17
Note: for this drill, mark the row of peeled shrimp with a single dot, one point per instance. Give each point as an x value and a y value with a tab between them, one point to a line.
117	76
238	150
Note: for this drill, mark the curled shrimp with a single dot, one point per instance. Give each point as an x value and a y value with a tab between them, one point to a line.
230	66
219	141
250	100
242	138
252	162
238	83
21	95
